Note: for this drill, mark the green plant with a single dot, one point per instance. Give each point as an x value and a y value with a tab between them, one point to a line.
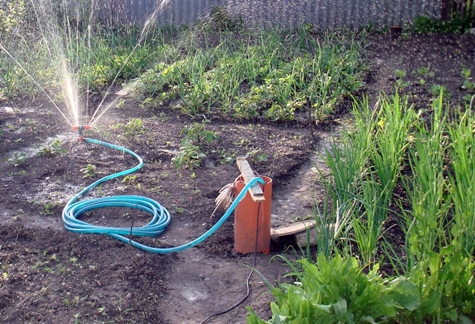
89	171
456	24
400	82
18	159
468	84
53	148
48	208
133	127
435	261
12	14
338	291
219	20
195	137
439	90
129	179
424	72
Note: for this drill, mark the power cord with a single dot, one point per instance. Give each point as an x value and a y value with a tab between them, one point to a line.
254	262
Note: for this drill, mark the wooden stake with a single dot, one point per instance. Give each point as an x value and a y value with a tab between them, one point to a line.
255	191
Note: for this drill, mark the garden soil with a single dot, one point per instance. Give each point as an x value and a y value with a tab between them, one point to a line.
50	275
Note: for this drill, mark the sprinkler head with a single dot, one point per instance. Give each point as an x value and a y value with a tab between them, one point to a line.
80	129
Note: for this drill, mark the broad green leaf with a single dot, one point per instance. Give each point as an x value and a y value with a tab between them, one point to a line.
405	293
340	308
433	302
324	308
367	319
464	320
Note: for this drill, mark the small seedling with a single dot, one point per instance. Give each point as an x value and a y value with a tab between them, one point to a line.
129	179
192	150
52	149
89	171
400	82
468	84
437	89
19	213
17	159
48	208
424	73
134	127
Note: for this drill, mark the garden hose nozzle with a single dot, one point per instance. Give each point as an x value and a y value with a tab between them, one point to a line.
80	129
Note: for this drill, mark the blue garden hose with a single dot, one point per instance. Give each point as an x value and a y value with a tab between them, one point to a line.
160	220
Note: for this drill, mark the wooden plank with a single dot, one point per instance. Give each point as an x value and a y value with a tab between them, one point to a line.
255	191
291	229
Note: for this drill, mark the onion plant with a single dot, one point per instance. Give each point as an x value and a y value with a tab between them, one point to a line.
429	160
462	182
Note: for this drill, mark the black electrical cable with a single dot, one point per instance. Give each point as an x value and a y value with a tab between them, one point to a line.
254	262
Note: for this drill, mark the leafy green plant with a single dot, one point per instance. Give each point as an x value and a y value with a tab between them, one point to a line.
53	148
438	90
424	72
220	20
468	84
12	14
338	291
435	261
456	24
18	159
89	171
48	208
195	137
401	83
134	127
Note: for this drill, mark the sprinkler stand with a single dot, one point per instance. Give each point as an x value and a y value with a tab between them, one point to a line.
252	216
81	129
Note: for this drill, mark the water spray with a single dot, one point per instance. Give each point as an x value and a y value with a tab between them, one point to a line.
80	129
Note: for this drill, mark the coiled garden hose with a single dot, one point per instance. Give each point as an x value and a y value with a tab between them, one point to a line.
160	220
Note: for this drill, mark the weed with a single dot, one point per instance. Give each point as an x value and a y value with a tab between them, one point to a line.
134	127
195	138
19	213
400	82
18	159
438	90
54	148
424	72
457	24
89	171
129	179
468	84
48	208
